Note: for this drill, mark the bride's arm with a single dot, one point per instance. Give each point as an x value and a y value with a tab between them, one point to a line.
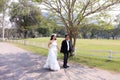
58	46
49	44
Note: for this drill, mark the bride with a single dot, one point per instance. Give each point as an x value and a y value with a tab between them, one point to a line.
51	62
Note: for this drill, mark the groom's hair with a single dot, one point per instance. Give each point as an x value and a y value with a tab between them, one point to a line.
66	35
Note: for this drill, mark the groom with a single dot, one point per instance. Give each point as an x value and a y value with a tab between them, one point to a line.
65	49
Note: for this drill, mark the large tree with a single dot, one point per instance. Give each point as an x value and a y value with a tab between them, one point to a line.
25	16
72	12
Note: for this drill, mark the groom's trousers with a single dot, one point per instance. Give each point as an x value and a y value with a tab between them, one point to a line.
65	59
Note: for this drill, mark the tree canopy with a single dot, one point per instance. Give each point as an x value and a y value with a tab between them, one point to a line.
72	12
25	15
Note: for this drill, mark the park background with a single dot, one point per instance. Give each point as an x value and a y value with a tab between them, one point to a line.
94	28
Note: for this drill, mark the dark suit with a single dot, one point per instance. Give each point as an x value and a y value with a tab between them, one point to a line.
64	49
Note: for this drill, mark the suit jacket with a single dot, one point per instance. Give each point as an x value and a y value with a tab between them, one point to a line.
64	47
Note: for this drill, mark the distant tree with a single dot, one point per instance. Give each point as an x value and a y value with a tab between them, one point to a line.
103	23
89	30
47	25
43	31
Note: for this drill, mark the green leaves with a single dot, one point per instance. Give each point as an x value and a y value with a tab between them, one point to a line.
80	16
25	15
37	0
3	4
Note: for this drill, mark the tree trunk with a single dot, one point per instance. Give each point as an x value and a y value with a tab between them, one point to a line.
3	29
113	37
73	43
25	36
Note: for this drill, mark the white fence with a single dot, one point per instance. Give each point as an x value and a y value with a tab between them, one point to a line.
44	45
25	42
110	54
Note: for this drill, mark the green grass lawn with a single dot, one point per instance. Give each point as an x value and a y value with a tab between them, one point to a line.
86	44
84	49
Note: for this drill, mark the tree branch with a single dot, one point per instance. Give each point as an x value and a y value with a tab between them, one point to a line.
100	8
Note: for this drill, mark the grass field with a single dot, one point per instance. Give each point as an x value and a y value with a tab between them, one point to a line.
88	47
84	52
87	44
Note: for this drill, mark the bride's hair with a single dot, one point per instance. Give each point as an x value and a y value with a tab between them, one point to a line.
52	37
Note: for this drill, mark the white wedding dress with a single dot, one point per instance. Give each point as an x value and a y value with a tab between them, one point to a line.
51	62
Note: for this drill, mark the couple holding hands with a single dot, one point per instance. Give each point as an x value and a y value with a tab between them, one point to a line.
51	62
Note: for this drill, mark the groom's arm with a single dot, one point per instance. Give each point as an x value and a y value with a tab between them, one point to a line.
62	47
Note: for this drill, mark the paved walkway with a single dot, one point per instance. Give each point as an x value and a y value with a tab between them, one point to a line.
18	64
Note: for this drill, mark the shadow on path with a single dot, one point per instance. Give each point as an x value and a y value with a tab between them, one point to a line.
21	66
